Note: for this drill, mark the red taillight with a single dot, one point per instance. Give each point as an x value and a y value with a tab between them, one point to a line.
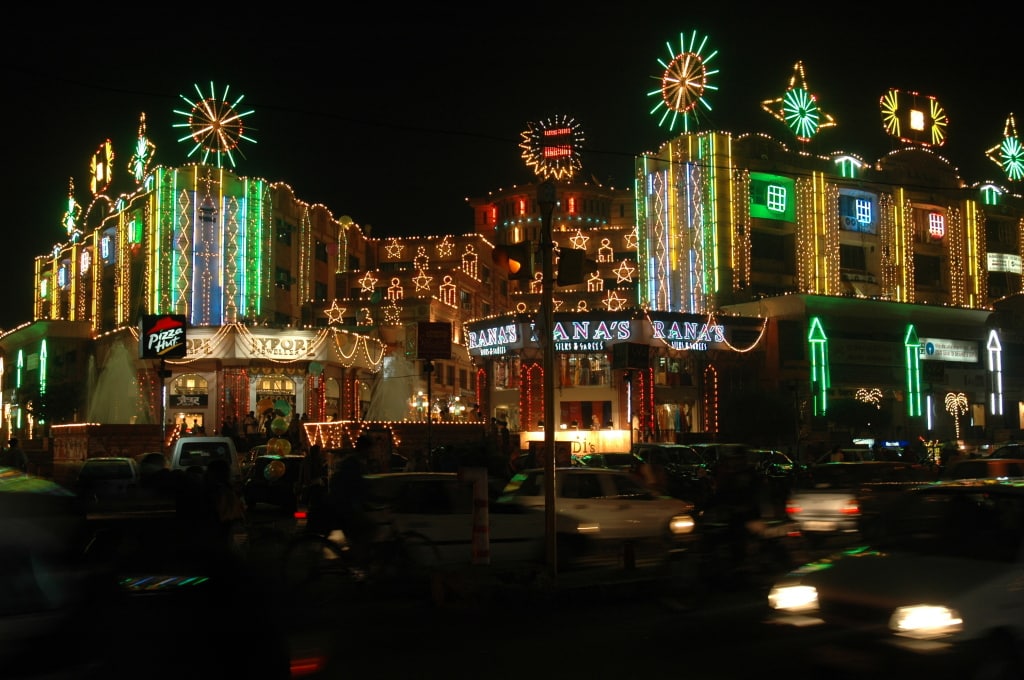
300	514
793	509
309	665
852	507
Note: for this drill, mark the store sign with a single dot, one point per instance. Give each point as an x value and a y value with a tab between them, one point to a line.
162	336
190	400
1004	262
688	334
941	349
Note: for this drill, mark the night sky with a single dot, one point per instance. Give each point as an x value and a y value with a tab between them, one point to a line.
394	120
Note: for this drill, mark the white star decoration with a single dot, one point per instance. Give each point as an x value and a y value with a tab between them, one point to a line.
368	282
395	249
613	303
334	312
631	239
624	272
422	281
579	241
445	247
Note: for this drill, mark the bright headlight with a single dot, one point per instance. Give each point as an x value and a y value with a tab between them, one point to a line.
925	621
681	524
793	598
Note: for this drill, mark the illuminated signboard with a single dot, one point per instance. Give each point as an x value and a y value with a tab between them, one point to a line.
940	349
162	336
1003	262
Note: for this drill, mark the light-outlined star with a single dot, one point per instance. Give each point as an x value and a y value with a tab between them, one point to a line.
395	249
422	281
614	303
368	282
335	312
579	241
624	272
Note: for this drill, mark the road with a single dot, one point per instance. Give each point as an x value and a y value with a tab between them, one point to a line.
593	624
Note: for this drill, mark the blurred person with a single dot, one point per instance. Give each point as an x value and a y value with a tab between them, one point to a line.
347	496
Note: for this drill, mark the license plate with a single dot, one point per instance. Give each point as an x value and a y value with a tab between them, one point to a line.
820	526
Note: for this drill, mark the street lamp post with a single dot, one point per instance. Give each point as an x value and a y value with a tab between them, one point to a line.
546	201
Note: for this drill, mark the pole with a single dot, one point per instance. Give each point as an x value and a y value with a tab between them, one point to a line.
546	200
428	368
162	372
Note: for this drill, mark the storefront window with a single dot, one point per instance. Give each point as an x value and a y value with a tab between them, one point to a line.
584	369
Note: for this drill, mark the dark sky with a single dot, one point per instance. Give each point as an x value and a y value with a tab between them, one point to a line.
395	119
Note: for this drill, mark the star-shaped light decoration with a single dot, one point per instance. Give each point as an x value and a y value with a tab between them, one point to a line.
631	239
392	314
335	312
422	281
1008	154
445	247
394	249
558	304
614	303
368	282
624	272
798	108
579	241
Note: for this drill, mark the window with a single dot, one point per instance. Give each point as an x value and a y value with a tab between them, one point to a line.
282	278
284	233
857	213
319	291
771	197
321	251
852	257
927	270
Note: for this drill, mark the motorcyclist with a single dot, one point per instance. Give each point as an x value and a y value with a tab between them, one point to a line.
735	500
347	496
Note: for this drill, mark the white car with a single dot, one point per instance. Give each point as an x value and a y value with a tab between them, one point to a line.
940	587
605	514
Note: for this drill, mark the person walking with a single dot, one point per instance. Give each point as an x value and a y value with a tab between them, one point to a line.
14	456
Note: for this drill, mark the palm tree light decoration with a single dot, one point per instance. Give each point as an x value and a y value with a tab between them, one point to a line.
956	405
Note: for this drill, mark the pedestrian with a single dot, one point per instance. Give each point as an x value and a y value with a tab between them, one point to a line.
14	456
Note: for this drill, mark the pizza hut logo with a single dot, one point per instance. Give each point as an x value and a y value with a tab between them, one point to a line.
164	336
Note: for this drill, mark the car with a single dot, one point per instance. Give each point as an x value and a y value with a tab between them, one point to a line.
983	468
936	593
108	478
686	475
1005	450
246	459
191	451
841	500
713	452
614	460
604	516
275	480
151	462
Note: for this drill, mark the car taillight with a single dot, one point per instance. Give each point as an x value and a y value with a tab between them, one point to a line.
851	507
793	509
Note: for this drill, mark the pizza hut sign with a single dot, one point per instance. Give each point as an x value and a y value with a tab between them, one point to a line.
162	336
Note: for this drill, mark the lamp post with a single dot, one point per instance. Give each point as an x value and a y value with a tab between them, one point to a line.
546	201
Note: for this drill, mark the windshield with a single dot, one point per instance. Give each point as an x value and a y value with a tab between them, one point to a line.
970	523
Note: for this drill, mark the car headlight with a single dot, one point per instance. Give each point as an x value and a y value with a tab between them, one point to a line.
923	621
681	524
793	598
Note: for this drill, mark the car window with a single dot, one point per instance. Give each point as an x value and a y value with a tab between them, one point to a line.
581	486
627	487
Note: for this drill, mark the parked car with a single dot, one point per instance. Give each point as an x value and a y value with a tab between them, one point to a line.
686	474
937	593
984	468
605	515
187	452
107	478
833	500
623	460
246	460
275	480
713	452
151	462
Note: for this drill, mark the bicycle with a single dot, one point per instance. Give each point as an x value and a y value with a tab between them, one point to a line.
320	566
